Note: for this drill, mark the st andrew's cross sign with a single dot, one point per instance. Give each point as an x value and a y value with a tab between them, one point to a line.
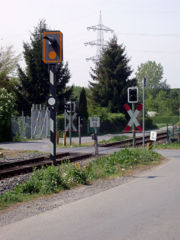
133	116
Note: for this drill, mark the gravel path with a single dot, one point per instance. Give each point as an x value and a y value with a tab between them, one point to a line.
24	210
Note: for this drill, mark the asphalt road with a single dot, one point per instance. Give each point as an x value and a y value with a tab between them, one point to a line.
147	208
44	145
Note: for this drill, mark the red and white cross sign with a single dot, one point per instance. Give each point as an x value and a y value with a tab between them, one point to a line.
133	116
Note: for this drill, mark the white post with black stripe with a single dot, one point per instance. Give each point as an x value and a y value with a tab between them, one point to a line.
52	107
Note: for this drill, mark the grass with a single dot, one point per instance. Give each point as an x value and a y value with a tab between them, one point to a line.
87	144
168	146
161	125
19	153
54	179
115	139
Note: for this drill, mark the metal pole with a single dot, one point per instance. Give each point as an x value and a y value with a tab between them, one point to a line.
70	125
96	141
133	128
79	129
23	135
32	108
64	116
143	123
167	133
52	91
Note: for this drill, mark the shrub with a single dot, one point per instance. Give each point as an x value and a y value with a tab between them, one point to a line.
165	119
45	180
75	174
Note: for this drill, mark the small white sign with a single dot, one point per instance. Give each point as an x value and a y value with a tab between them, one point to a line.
94	122
153	136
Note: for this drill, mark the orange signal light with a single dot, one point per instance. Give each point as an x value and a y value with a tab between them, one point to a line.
52	55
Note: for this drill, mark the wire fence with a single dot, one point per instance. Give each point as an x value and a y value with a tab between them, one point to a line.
35	126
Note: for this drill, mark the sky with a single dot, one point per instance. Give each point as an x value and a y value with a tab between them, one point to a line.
149	30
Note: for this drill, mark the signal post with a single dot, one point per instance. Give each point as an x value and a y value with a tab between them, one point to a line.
52	52
133	98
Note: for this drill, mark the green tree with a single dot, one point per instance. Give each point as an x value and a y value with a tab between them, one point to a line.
111	78
83	105
7	102
8	67
77	91
154	75
34	79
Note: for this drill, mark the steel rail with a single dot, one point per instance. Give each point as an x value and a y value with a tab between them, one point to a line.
15	168
129	142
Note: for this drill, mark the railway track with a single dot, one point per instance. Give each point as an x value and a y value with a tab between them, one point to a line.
129	142
26	166
10	169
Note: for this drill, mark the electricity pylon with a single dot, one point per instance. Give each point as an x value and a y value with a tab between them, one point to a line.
100	43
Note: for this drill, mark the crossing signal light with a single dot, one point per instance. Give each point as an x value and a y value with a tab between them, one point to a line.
52	47
133	95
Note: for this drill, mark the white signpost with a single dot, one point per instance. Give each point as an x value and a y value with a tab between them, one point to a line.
153	135
94	122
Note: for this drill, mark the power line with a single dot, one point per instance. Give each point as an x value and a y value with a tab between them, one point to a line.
151	34
156	51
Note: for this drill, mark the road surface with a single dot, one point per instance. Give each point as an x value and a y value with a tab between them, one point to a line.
44	145
147	208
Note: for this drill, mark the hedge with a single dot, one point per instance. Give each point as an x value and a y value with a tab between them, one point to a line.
165	119
113	123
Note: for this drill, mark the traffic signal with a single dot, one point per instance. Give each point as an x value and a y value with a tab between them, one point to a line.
67	107
70	106
52	47
132	95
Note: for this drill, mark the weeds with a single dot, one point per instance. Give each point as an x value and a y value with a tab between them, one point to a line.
54	179
115	139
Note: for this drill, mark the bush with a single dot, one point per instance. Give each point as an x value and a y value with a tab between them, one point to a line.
149	124
114	122
109	122
45	180
53	179
76	174
119	161
165	119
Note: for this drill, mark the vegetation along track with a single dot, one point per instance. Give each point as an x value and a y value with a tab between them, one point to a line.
25	166
161	137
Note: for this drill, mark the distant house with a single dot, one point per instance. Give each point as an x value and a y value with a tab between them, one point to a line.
152	114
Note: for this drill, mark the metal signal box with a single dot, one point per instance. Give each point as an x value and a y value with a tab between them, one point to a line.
132	95
52	50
